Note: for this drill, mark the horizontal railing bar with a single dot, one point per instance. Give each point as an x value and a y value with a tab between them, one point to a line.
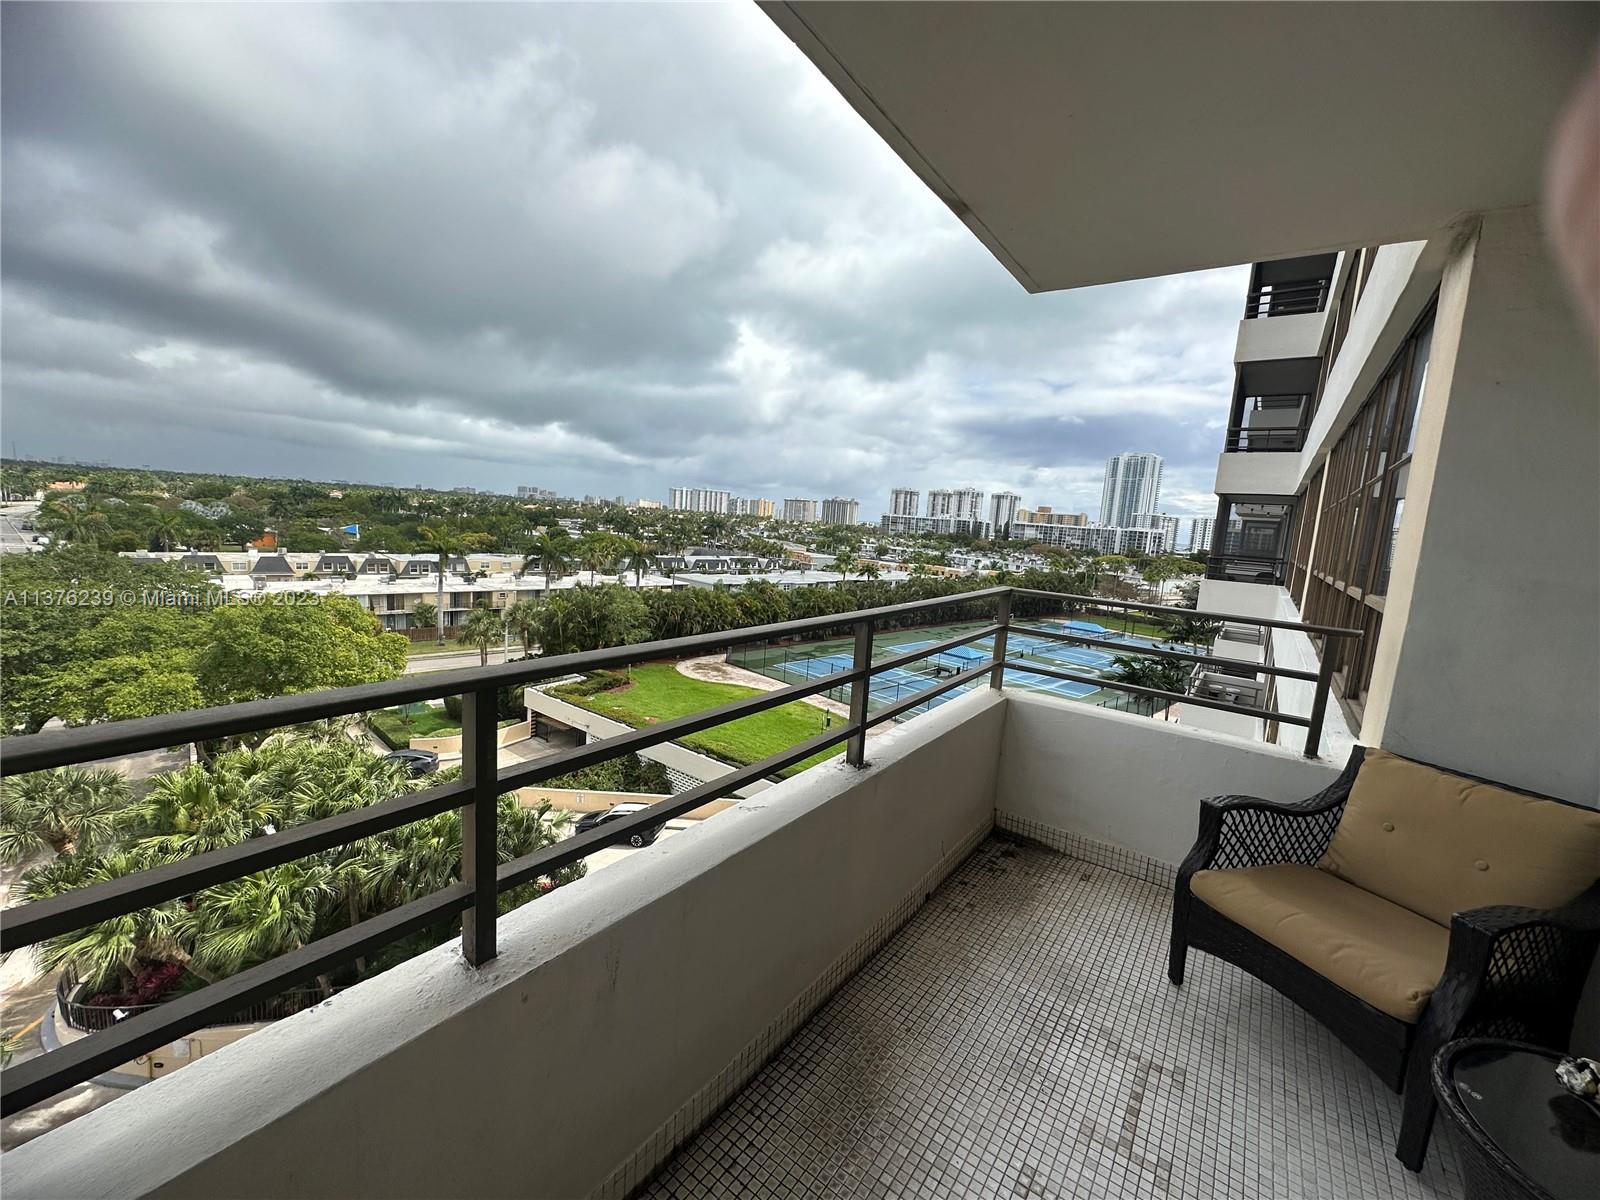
911	656
906	703
40	1078
28	924
552	858
1100	601
86	743
528	774
1183	655
1158	693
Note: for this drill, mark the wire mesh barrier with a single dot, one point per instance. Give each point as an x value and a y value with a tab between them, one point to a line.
1067	656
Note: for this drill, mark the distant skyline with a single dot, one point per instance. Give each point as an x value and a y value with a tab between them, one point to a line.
499	245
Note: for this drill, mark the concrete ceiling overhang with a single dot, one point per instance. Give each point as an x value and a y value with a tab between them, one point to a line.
1090	142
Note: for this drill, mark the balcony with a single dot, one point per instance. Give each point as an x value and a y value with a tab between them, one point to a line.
935	966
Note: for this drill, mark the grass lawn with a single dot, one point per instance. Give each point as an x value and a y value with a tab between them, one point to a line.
659	692
397	729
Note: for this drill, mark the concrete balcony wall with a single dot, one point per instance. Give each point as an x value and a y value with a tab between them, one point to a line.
1296	336
1125	790
622	1011
1257	473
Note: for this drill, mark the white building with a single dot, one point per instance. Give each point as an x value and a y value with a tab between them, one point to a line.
1200	534
801	510
838	510
890	523
903	502
704	500
1102	539
968	504
1165	522
1003	511
1132	486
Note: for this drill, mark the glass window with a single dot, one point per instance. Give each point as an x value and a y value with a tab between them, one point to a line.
1419	376
1380	586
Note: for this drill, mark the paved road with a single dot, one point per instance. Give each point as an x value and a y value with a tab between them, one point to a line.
13	538
25	1008
450	660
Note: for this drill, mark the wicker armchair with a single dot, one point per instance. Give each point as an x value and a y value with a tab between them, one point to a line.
1510	971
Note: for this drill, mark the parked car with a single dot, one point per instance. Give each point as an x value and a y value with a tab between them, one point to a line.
641	837
416	762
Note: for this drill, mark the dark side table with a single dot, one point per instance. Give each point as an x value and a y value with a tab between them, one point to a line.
1519	1134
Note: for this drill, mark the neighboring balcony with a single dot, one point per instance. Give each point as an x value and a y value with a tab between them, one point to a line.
1286	309
934	967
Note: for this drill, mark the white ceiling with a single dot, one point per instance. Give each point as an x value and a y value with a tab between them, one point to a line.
1085	143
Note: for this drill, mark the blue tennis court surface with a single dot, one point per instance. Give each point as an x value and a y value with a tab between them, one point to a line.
1045	683
900	682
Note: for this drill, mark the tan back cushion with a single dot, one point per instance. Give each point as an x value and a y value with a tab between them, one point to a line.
1439	844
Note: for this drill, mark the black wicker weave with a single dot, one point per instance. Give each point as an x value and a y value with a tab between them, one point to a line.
1530	1110
1510	972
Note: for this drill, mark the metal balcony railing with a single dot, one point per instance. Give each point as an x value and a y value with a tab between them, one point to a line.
482	781
1246	568
1286	299
1245	435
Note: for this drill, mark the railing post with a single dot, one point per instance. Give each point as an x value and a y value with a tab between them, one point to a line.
479	844
855	752
1002	618
1319	702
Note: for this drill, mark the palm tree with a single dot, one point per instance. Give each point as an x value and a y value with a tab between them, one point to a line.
70	810
107	954
445	542
552	550
77	524
843	563
237	924
165	526
522	619
596	551
1196	631
636	557
199	808
869	570
1141	671
483	628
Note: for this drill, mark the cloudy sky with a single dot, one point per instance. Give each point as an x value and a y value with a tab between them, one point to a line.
600	249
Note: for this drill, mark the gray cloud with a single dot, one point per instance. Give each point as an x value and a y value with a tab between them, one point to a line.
524	244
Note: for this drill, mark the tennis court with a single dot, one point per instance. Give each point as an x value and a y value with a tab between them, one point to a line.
835	657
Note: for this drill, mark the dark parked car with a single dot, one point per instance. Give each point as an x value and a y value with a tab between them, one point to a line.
416	762
642	837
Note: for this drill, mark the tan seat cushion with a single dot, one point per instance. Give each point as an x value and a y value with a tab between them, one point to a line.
1385	954
1439	844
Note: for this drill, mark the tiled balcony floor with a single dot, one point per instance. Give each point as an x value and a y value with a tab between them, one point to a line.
1019	1038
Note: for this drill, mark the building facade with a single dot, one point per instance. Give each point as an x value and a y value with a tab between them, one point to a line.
838	510
903	502
1132	486
703	500
960	526
1045	515
1102	539
1003	512
800	510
